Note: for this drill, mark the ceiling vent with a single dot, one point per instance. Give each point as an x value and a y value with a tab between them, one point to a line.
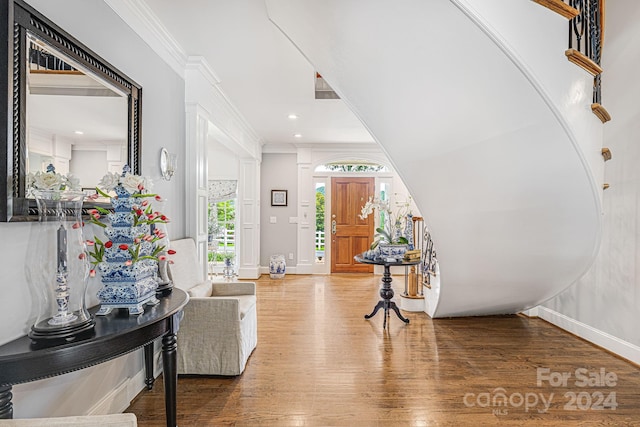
323	90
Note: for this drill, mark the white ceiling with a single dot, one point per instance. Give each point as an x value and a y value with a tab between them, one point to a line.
261	72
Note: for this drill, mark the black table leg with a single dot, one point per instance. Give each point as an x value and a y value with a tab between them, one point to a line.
6	407
148	366
378	306
386	292
170	371
394	307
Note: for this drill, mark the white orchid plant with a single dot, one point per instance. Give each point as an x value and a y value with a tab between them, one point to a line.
391	231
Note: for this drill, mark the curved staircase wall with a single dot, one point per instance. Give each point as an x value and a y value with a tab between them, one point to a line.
492	161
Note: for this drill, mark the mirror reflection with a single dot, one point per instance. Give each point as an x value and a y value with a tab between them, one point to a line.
75	120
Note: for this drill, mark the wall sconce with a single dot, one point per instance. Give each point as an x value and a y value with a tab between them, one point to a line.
168	164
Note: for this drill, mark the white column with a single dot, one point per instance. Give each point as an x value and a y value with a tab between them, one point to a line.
195	162
306	213
248	234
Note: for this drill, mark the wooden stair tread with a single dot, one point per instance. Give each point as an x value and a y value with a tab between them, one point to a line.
559	7
600	112
583	62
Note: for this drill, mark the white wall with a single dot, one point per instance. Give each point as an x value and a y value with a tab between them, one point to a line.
607	298
96	25
278	172
81	166
222	162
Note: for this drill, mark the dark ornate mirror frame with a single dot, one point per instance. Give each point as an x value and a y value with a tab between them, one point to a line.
16	20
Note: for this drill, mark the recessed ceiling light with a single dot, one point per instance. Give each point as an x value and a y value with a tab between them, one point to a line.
79	132
292	116
297	135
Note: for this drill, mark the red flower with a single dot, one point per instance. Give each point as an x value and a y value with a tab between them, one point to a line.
128	262
108	244
93	211
140	187
92	273
163	217
152	216
158	199
145	202
90	243
96	215
76	225
162	258
136	240
171	252
124	246
139	212
82	255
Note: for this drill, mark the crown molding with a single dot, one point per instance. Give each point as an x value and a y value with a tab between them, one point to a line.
139	16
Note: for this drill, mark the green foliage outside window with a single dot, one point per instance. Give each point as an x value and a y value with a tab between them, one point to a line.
320	209
221	220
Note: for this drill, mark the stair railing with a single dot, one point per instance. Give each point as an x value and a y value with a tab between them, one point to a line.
586	35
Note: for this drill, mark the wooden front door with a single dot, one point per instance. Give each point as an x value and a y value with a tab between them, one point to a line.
350	235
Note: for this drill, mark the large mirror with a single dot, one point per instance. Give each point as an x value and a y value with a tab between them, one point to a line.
67	107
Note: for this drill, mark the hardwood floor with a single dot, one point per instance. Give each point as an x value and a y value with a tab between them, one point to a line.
320	363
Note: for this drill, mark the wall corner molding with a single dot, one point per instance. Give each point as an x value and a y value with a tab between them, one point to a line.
200	64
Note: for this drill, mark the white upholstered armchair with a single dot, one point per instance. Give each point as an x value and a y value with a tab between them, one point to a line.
220	328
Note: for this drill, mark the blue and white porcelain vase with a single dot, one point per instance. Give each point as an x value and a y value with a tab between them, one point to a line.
408	231
394	251
127	283
277	266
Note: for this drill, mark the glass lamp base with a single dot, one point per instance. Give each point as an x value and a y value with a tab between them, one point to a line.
58	334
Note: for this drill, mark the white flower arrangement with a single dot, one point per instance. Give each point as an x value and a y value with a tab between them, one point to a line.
132	183
392	229
51	181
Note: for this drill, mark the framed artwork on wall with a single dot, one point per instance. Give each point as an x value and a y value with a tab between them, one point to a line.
278	197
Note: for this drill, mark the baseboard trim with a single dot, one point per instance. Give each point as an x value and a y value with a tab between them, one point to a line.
120	398
288	270
249	273
602	339
116	401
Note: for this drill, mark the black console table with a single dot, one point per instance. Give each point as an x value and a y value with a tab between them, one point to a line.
386	291
116	334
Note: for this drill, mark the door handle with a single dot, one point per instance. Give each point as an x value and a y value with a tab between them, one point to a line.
333	227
